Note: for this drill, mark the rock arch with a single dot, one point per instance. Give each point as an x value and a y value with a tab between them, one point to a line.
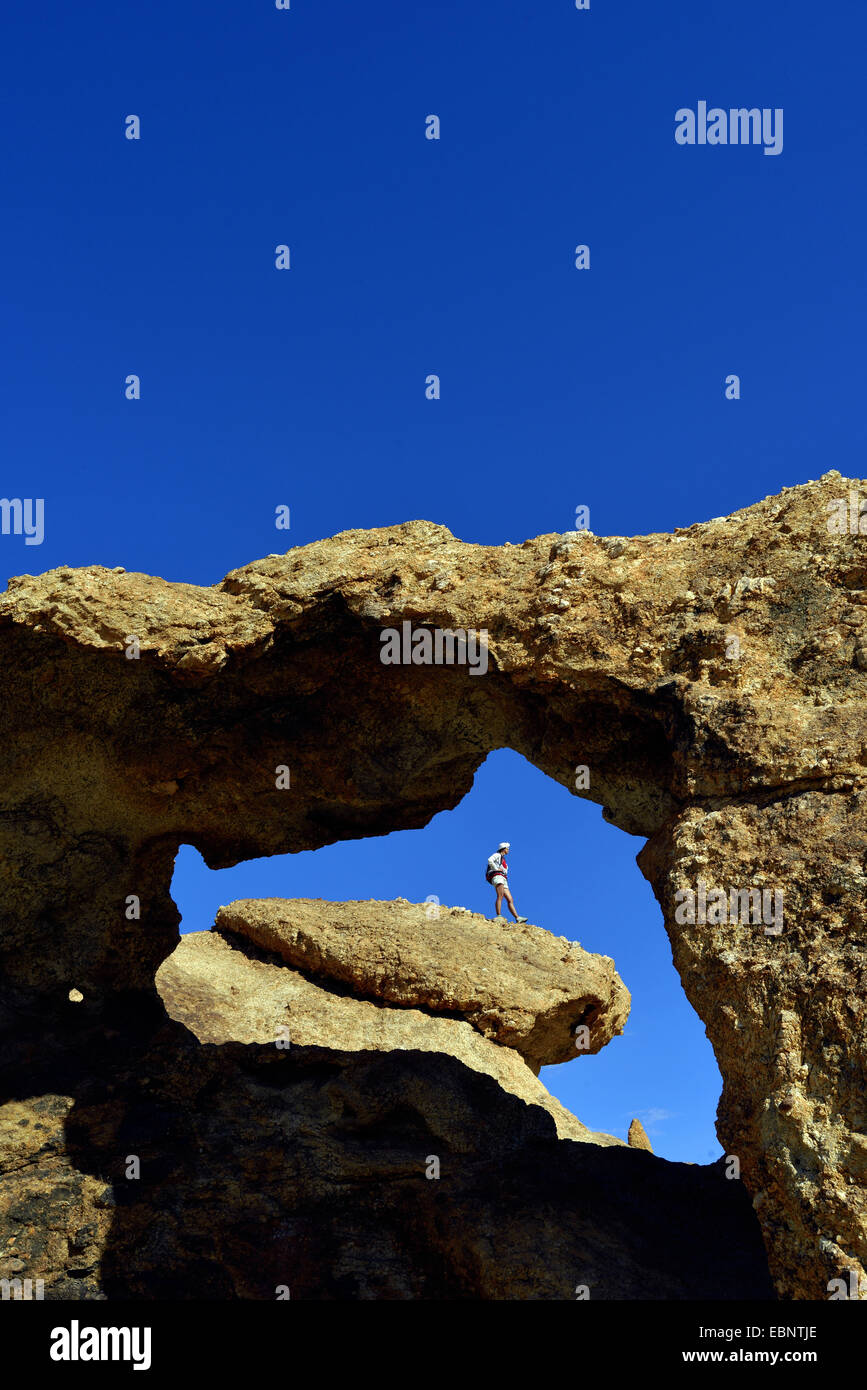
742	761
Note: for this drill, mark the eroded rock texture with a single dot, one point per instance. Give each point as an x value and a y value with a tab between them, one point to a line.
517	985
637	1137
713	681
504	1001
307	1169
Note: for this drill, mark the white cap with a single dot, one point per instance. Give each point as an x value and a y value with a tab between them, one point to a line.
504	844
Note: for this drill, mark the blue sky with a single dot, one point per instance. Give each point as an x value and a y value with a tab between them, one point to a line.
305	387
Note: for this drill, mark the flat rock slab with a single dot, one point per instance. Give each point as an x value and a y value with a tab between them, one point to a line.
518	986
222	995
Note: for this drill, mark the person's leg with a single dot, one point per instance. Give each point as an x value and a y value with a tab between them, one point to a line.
500	887
512	907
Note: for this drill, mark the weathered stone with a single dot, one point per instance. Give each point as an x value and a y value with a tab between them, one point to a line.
517	985
712	681
222	995
786	1013
313	1168
637	1137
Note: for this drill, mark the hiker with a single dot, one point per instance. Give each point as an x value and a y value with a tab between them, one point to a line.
497	874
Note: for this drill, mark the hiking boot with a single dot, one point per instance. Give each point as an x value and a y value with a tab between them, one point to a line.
521	919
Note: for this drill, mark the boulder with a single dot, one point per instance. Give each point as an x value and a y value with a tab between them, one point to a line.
515	983
637	1138
222	994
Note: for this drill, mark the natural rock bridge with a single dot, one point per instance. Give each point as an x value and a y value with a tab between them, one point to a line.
713	682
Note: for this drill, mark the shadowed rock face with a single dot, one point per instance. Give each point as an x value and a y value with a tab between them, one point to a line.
307	1168
713	681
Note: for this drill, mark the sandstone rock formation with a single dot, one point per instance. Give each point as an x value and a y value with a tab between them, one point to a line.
713	681
637	1137
222	993
308	1169
515	984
